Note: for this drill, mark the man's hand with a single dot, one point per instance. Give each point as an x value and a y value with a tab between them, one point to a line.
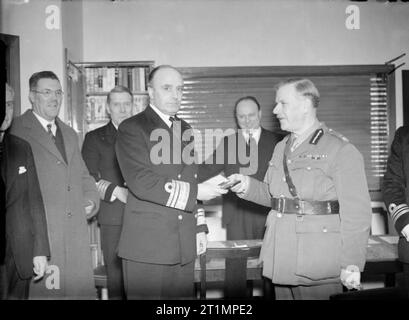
40	266
351	277
201	243
207	191
120	193
90	209
405	232
242	186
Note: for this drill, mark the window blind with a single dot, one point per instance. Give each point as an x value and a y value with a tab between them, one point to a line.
356	101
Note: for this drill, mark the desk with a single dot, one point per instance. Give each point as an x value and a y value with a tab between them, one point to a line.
215	267
381	258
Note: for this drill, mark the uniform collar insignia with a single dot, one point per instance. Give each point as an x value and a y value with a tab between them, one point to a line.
317	136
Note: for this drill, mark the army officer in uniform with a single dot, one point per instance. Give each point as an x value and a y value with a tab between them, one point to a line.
161	221
318	226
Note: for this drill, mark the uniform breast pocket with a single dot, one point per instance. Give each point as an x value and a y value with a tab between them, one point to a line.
318	247
308	176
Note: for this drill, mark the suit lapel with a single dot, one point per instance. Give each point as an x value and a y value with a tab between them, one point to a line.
155	120
68	144
109	134
263	145
38	133
11	165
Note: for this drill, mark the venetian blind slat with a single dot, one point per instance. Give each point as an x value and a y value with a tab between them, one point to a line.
353	103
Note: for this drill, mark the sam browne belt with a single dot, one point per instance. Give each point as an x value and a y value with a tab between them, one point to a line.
297	206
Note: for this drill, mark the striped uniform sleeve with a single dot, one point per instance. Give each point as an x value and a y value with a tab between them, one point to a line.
394	184
105	190
92	158
147	180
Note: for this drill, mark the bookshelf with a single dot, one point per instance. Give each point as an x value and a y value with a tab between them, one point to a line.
101	77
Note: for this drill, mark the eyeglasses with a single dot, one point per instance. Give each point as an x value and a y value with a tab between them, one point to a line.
47	93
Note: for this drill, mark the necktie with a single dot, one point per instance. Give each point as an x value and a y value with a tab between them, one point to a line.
251	139
293	143
50	132
172	119
251	142
58	141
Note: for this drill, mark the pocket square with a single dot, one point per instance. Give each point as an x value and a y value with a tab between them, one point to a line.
21	170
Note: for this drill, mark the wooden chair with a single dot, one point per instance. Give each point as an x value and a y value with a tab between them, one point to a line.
236	259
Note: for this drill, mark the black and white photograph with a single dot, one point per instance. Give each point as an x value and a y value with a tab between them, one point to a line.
209	157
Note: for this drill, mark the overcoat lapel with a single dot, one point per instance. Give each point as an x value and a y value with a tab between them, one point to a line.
41	136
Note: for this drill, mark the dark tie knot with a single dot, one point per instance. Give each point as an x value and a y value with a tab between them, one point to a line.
172	119
50	132
250	138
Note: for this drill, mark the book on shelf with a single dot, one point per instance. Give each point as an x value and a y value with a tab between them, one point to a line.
96	107
103	79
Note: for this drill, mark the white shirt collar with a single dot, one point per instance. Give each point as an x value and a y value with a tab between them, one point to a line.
299	139
45	122
163	116
256	133
115	126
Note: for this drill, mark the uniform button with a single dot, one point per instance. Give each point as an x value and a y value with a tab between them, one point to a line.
324	229
281	196
289	161
179	176
196	216
284	179
308	168
124	184
195	175
279	214
58	162
180	217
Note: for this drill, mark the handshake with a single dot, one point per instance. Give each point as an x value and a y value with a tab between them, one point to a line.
219	185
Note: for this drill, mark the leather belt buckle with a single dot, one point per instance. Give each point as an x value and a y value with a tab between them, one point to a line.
302	206
329	209
281	205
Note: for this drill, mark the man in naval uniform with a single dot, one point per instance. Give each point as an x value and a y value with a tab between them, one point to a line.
318	226
162	224
98	151
395	191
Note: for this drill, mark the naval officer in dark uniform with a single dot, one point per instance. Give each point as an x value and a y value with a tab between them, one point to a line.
162	224
395	192
318	226
98	151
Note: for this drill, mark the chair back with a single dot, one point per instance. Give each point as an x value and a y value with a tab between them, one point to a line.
236	255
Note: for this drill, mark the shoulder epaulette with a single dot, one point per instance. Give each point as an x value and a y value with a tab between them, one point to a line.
338	135
317	136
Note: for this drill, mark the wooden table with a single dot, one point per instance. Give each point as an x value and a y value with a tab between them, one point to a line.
381	258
